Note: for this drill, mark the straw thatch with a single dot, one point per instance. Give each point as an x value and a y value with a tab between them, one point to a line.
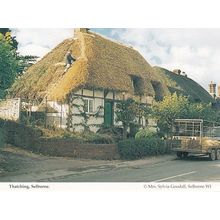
113	66
101	64
183	86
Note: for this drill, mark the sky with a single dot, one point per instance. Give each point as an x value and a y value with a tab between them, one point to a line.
194	51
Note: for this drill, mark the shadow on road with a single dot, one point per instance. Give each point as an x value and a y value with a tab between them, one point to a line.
195	158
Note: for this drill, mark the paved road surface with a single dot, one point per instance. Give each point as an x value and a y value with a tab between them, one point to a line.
18	165
191	169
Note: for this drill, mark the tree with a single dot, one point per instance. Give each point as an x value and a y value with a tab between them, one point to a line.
6	35
9	66
173	107
24	62
12	64
143	111
203	111
170	108
126	113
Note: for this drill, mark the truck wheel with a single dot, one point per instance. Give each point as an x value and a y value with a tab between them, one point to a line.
217	154
179	155
212	155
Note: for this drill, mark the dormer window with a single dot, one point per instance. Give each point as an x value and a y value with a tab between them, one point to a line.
137	83
158	89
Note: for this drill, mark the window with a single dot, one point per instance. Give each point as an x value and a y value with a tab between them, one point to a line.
158	89
89	105
135	85
138	85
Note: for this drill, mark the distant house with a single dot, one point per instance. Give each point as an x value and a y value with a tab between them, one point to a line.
183	85
105	72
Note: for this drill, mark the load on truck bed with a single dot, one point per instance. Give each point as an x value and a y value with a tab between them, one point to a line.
197	137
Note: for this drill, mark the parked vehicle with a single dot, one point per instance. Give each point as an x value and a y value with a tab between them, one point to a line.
197	137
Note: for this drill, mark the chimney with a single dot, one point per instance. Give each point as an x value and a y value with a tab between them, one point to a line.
177	71
184	74
212	89
219	91
80	30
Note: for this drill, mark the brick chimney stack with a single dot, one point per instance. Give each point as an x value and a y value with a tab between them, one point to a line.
212	89
80	30
177	71
218	91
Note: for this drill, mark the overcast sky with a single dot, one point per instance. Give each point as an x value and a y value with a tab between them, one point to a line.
195	51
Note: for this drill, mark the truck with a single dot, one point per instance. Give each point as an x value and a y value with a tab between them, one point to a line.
196	137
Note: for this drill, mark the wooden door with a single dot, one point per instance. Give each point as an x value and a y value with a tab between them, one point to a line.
108	113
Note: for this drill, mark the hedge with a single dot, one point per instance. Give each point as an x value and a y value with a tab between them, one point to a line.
2	137
26	135
139	148
83	138
3	133
97	138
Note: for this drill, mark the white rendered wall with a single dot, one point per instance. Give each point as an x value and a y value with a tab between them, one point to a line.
10	109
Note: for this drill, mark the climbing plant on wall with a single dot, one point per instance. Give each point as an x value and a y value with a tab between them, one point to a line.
79	104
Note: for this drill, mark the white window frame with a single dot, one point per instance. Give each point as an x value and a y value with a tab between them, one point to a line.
93	104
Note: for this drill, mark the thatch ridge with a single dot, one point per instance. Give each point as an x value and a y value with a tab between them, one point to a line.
103	64
43	75
111	66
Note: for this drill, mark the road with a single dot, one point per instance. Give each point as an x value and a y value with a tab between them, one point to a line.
17	165
192	169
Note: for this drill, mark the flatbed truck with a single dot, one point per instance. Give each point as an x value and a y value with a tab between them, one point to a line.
196	137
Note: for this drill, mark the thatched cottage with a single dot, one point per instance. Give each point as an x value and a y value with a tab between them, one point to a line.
104	73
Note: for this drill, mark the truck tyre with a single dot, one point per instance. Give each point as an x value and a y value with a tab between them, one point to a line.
217	154
179	155
212	155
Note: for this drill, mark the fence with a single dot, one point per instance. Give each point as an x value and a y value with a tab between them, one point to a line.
47	112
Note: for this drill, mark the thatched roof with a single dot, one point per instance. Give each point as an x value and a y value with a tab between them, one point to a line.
183	85
102	63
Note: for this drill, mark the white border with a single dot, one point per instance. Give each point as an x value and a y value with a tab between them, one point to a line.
114	13
109	203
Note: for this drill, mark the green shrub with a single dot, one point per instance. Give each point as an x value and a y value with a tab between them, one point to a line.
95	138
54	132
25	135
2	137
134	128
3	133
139	148
85	137
145	133
115	132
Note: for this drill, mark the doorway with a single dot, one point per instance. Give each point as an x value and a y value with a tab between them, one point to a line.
108	113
